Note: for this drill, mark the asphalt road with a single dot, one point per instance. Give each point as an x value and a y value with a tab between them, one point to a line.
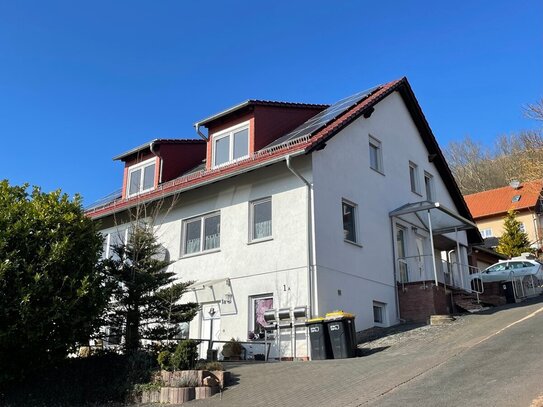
492	359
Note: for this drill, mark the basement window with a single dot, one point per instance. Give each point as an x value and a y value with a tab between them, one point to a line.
379	313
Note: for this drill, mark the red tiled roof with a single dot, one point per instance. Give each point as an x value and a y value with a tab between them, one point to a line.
298	146
499	201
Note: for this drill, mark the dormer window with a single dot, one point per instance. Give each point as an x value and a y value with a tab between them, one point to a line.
141	177
231	144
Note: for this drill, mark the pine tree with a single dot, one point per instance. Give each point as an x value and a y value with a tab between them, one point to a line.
145	303
514	241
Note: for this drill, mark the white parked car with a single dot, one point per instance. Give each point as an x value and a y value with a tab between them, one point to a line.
505	270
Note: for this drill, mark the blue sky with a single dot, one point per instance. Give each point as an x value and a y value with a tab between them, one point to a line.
83	81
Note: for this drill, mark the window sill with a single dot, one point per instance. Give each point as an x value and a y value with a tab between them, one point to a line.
139	193
187	256
377	171
353	243
264	239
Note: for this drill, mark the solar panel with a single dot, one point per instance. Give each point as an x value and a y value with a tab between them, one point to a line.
105	200
327	115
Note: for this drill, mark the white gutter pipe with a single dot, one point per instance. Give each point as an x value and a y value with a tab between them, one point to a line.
311	262
202	135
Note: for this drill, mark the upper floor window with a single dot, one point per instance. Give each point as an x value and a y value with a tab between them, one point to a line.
349	221
261	219
522	227
202	233
141	177
231	144
429	186
376	154
486	233
414	177
113	240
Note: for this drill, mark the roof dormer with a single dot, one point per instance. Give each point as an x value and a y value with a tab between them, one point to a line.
156	162
240	131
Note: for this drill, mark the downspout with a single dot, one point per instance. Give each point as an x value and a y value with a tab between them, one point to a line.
202	135
152	148
311	269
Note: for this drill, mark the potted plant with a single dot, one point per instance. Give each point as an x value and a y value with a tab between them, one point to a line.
232	350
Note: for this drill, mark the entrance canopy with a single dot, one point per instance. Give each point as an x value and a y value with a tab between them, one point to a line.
217	291
432	216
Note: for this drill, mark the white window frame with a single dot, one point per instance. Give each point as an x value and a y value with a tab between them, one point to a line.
252	308
252	204
415	168
383	307
122	233
522	227
202	219
486	233
230	134
373	142
141	166
355	221
430	178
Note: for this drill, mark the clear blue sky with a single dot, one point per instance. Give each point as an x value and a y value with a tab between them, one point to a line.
83	81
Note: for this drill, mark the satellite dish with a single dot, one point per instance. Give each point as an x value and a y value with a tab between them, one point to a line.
163	254
515	184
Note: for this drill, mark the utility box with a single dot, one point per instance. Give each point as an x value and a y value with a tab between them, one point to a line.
319	339
342	333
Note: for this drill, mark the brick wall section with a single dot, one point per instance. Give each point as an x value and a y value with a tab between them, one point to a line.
493	294
418	302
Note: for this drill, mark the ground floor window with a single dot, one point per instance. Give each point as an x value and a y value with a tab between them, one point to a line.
379	312
259	305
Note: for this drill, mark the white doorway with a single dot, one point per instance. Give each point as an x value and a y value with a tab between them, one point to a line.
210	327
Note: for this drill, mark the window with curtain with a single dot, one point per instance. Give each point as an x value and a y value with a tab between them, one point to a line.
202	233
261	219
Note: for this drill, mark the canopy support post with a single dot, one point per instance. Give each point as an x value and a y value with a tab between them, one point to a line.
432	246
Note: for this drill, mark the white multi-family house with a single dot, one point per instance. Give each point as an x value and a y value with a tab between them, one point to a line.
346	206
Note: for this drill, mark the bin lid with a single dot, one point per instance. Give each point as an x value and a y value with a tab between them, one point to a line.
339	314
315	320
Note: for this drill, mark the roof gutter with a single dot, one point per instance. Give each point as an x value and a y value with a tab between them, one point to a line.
143	199
202	135
312	292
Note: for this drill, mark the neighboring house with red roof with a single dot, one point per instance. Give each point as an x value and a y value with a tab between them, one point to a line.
489	208
280	205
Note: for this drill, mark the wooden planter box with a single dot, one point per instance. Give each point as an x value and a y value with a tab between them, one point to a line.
172	379
206	384
150	396
205	392
176	395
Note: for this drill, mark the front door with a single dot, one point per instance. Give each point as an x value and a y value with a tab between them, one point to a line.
210	327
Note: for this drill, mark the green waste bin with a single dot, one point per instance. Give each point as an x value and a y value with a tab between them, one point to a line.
342	333
318	339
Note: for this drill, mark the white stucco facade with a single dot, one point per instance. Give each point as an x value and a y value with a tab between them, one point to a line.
351	276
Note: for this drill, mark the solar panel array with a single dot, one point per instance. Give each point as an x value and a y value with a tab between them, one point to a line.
106	199
326	116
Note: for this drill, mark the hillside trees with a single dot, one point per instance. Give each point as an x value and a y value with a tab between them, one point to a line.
52	289
479	168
